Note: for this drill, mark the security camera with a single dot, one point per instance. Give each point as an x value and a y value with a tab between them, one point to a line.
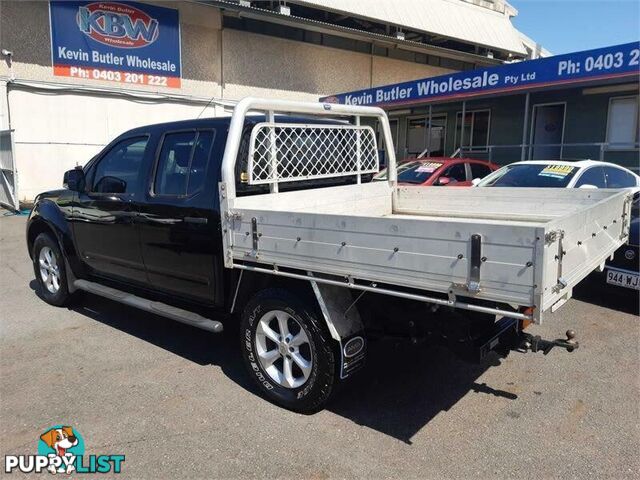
7	53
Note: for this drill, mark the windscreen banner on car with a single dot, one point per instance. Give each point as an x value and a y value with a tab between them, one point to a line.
124	42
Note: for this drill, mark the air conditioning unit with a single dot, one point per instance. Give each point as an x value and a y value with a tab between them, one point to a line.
284	9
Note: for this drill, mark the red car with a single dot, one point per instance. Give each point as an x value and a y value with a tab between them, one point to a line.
440	171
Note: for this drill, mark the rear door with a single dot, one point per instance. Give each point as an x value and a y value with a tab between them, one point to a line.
104	216
178	222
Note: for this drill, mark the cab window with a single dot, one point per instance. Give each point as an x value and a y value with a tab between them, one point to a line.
182	163
118	171
456	172
478	170
592	176
618	178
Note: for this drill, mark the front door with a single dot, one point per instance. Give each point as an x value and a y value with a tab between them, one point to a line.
547	132
103	218
178	227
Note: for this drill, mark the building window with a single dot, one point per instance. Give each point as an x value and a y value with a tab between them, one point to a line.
418	140
451	64
393	124
476	130
622	124
382	147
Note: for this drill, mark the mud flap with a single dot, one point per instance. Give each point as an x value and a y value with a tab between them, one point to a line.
345	325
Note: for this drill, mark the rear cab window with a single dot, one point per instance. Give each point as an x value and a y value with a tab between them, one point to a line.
182	161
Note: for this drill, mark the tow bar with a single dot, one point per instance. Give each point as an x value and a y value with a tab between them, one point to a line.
508	336
538	344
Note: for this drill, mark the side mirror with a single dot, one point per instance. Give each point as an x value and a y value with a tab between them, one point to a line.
442	181
73	180
587	186
476	181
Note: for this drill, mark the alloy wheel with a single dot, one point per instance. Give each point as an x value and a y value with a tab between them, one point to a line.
283	349
49	270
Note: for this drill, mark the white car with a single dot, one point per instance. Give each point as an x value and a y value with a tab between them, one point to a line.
561	174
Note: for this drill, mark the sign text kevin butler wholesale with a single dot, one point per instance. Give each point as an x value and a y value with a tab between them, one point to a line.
124	42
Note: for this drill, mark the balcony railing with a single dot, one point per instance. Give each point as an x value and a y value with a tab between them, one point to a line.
551	151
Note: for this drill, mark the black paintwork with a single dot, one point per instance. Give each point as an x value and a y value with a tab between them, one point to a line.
137	239
166	247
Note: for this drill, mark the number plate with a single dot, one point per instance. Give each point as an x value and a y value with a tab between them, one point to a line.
627	280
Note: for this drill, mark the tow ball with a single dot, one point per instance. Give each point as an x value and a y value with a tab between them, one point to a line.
538	344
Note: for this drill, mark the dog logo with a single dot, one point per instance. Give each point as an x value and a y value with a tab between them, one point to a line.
60	439
63	442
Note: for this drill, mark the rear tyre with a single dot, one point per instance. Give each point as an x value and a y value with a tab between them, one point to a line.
288	351
49	268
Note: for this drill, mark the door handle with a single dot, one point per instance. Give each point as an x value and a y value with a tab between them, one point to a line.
196	220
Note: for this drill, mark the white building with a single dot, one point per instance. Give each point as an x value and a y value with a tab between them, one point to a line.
60	107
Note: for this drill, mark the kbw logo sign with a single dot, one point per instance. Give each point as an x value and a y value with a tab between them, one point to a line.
117	24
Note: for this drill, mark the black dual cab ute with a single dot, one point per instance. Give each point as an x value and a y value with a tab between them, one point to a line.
266	220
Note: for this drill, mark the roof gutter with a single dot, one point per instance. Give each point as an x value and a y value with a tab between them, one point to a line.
352	33
516	54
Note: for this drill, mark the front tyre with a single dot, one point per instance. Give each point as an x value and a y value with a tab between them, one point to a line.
49	268
288	351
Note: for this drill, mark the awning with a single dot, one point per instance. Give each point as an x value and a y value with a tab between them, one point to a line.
453	19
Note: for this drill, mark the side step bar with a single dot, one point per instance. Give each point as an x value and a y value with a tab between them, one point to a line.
158	308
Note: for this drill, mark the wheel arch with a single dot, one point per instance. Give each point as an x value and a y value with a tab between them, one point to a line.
35	228
334	305
47	218
245	284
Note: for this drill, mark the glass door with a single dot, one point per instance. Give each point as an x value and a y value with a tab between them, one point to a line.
547	132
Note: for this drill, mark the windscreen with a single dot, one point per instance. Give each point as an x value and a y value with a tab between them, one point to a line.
416	172
532	175
383	173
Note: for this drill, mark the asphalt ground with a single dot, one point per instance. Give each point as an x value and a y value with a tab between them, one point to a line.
177	402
